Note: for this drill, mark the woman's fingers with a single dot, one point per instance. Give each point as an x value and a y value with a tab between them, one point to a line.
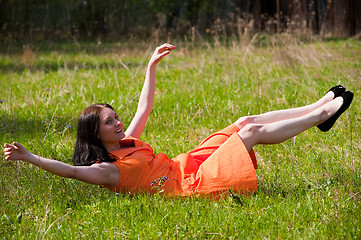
164	53
165	46
17	145
7	145
7	149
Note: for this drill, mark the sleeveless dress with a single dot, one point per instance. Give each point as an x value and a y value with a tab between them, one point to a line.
221	162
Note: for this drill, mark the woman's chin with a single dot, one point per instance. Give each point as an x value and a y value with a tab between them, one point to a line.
121	136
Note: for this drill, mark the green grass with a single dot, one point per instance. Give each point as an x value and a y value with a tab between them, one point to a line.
309	186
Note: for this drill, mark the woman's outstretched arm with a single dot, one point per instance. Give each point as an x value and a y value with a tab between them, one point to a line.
145	105
99	174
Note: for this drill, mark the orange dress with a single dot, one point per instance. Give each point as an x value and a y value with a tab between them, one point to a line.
221	162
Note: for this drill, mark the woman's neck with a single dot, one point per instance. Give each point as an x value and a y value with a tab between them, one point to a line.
112	147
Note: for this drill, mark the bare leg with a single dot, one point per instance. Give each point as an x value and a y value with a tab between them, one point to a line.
280	115
280	131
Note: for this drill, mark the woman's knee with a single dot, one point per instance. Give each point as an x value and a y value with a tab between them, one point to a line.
250	134
252	129
243	121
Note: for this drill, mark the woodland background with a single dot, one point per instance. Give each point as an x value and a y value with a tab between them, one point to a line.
30	21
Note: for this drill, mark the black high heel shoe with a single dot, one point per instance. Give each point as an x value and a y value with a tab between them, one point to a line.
337	90
328	124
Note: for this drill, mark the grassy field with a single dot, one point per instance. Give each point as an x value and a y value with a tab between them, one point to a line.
309	186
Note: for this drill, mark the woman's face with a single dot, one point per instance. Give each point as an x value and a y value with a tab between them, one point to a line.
110	130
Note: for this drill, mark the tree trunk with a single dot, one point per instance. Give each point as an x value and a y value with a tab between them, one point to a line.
330	15
317	25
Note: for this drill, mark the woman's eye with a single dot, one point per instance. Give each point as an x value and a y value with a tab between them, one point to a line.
116	117
107	122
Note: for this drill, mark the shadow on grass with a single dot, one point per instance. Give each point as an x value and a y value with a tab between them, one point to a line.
50	57
74	47
14	127
52	66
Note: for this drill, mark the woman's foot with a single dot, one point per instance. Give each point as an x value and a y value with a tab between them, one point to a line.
337	90
347	99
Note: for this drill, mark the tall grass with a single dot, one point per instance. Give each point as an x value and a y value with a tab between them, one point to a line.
309	186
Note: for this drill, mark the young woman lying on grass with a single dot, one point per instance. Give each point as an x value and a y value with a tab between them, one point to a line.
107	155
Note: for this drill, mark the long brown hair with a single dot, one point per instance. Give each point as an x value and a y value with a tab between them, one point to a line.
88	147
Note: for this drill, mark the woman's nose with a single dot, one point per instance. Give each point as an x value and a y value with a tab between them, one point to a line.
119	122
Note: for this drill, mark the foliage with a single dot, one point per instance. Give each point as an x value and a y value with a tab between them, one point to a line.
309	186
25	22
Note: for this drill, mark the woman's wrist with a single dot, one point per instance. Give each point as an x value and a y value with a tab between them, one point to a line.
31	158
152	65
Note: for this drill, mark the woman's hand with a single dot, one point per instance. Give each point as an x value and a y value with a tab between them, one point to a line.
15	151
160	52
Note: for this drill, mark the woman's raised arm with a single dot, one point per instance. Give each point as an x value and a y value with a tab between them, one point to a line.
100	174
145	105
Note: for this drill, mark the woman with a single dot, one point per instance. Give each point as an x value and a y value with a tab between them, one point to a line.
107	155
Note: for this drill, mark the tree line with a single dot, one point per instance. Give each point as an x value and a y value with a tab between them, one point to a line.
25	20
